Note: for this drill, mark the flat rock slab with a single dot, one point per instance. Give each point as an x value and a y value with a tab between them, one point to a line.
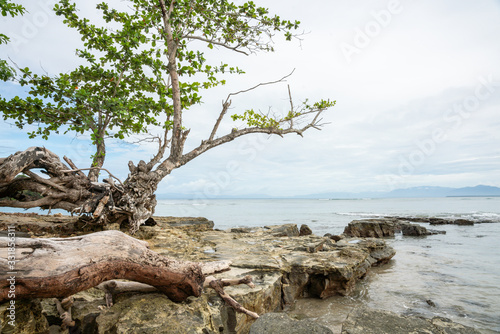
368	321
280	323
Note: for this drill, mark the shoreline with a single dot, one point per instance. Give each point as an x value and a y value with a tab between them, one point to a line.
195	239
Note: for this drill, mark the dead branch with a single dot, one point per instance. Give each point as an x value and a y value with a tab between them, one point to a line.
61	267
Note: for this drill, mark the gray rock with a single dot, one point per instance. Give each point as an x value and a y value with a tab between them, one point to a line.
385	227
368	321
280	323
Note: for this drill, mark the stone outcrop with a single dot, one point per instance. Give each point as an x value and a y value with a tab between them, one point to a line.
385	227
440	221
284	266
368	321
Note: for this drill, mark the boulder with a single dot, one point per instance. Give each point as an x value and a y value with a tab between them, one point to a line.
371	228
305	230
280	323
286	230
368	321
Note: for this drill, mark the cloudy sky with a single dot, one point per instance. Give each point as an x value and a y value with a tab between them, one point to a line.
417	85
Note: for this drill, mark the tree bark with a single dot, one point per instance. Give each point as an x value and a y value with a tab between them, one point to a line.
61	267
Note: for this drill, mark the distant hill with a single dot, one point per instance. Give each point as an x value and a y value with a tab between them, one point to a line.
425	191
415	192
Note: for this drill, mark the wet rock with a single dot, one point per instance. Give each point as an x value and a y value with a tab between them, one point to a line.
280	323
305	230
368	321
371	228
414	230
385	227
451	222
436	221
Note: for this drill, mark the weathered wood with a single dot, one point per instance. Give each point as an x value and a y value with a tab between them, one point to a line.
61	267
218	286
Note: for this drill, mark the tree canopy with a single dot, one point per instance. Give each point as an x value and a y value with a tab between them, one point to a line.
8	9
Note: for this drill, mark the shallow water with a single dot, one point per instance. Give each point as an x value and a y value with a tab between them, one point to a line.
455	275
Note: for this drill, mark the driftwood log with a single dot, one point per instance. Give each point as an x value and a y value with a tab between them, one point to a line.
61	267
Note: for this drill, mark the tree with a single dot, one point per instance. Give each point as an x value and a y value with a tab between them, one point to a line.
145	71
12	9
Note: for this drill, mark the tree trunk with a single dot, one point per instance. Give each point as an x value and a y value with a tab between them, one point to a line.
61	267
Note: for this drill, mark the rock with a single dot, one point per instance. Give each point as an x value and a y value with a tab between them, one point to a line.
336	237
186	223
155	313
305	230
283	266
414	230
385	227
28	318
280	323
436	221
371	228
368	321
286	230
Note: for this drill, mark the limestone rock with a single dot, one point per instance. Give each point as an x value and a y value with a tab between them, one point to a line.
155	313
283	266
368	321
280	323
286	230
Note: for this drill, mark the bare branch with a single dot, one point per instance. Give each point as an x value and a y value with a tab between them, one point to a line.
225	106
234	48
93	168
72	165
45	181
262	84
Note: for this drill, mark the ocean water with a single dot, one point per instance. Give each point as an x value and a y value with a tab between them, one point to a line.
455	275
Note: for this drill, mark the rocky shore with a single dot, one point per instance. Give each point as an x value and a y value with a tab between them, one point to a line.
285	263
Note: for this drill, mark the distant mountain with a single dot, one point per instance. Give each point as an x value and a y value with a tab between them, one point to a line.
426	191
415	192
476	191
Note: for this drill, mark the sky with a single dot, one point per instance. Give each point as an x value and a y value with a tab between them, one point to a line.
417	85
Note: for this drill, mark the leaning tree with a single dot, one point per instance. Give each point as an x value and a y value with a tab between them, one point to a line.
143	68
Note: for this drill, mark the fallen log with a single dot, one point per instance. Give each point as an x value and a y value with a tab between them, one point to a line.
61	267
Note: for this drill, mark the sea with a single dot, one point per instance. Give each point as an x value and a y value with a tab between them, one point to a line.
454	275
